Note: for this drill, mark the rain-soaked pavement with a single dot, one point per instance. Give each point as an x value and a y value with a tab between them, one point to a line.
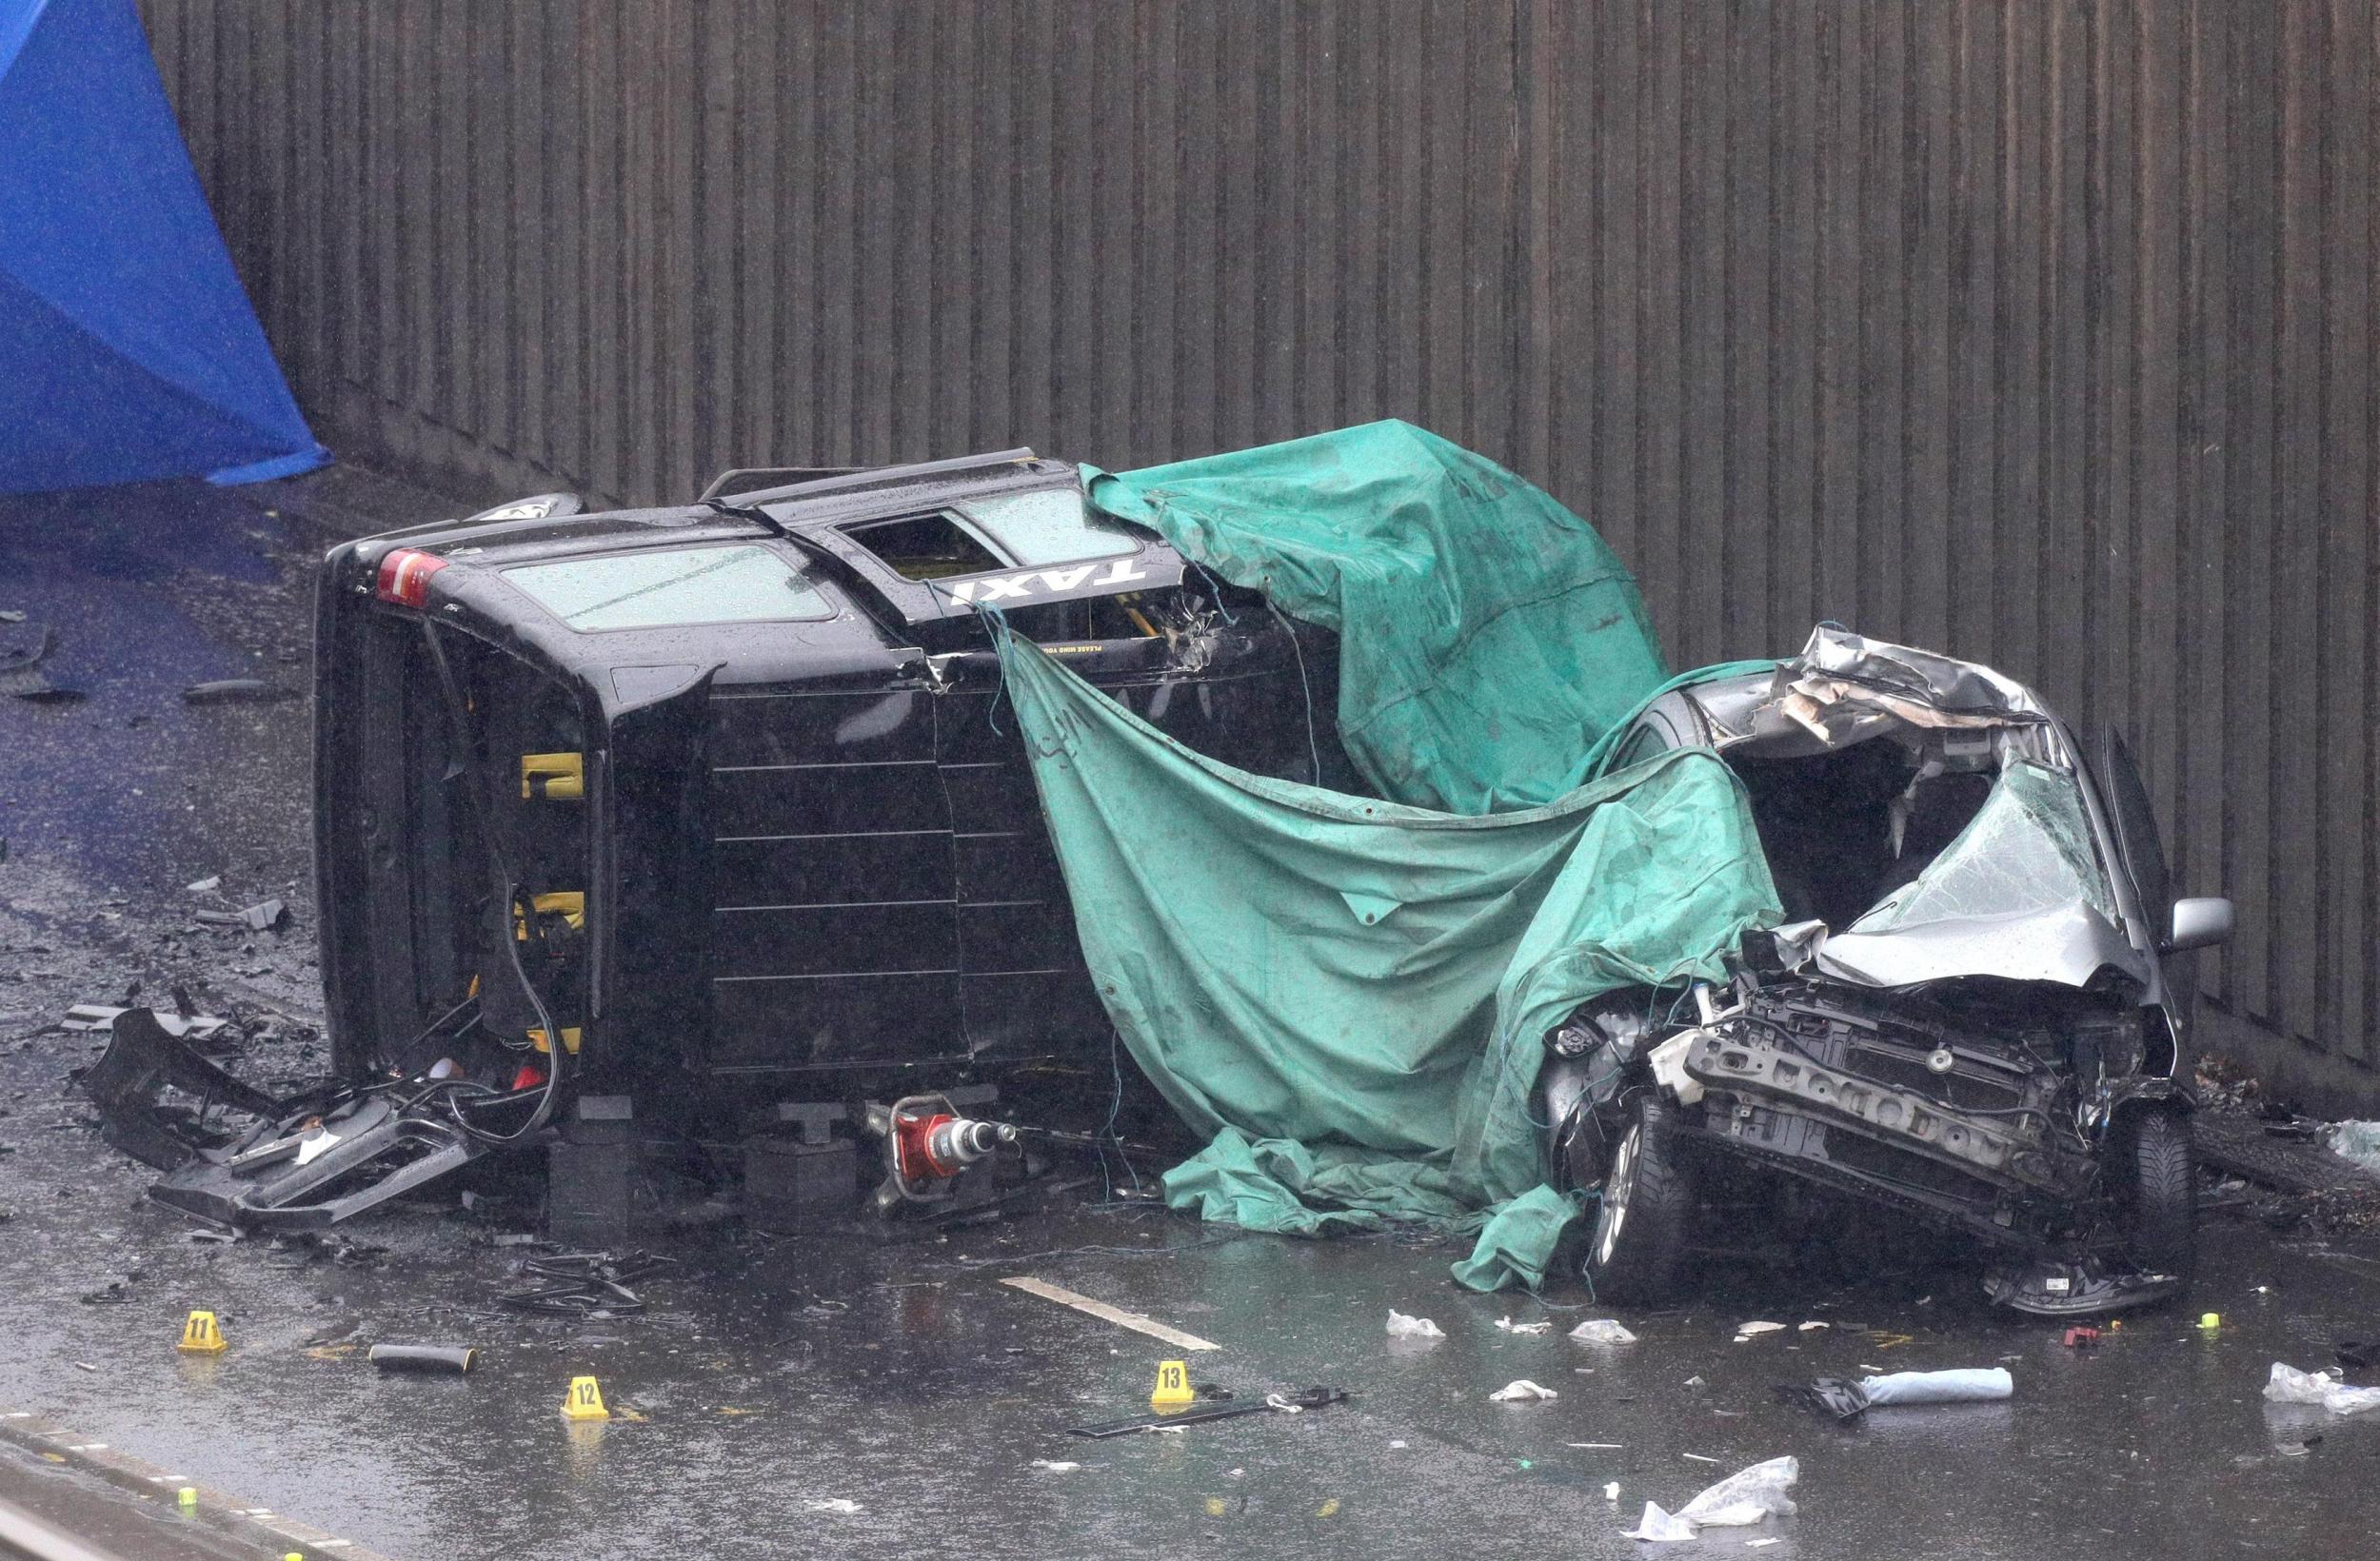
905	1378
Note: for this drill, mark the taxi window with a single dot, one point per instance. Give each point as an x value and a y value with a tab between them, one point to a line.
737	584
1049	525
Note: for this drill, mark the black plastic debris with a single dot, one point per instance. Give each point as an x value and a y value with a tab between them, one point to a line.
433	1359
586	1284
238	1157
236	691
1313	1398
1826	1395
156	1096
2049	1288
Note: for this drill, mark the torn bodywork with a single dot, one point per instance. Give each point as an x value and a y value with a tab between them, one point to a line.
240	1158
1968	1016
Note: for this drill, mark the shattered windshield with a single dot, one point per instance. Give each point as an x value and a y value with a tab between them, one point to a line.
2027	851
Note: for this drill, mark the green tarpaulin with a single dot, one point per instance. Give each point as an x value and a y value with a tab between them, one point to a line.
1350	993
1487	634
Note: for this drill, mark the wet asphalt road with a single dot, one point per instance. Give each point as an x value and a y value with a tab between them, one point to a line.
905	1378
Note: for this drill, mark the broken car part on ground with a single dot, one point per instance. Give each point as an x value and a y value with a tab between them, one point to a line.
814	813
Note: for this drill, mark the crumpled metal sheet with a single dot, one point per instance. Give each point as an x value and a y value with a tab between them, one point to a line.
1941	683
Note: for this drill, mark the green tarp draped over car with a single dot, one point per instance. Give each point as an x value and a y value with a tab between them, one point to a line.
1488	636
1350	993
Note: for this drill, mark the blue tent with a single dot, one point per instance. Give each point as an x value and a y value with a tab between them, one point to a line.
128	348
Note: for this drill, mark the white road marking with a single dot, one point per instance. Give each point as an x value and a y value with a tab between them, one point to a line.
1116	1314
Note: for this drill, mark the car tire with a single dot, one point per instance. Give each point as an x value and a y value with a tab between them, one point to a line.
2162	1200
1637	1245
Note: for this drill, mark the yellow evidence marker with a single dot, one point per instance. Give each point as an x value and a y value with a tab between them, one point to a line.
200	1336
1173	1386
585	1401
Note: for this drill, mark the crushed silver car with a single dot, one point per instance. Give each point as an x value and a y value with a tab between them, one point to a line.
1971	1015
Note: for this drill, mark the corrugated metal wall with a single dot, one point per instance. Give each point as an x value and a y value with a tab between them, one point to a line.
2038	332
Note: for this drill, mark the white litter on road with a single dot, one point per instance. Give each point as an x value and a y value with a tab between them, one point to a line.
1754	1330
1403	1327
1520	1391
1511	1327
1602	1331
1742	1498
1659	1527
2289	1385
833	1504
1056	1466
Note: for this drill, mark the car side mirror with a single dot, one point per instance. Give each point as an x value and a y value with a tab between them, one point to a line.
2198	923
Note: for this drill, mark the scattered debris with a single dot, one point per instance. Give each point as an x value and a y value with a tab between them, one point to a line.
1602	1331
1056	1466
1962	1385
586	1284
1813	1326
236	691
2356	1142
1754	1330
439	1359
1743	1499
2081	1339
2288	1385
205	885
832	1504
1521	1390
1402	1327
1845	1400
89	1015
1313	1398
1511	1327
262	917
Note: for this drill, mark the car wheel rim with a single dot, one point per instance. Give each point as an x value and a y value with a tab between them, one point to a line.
1615	1202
